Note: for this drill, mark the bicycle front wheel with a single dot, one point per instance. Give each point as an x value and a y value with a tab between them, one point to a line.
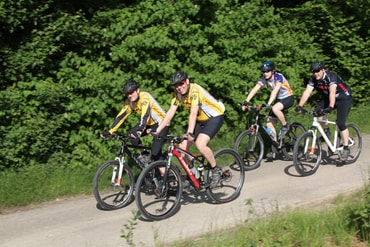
307	154
156	199
250	147
111	192
295	130
232	179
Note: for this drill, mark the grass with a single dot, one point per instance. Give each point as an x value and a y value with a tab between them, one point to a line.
345	223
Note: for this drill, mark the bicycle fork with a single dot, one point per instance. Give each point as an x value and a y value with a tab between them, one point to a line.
116	181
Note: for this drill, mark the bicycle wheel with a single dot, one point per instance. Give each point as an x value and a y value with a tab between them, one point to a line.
232	179
109	192
295	130
250	147
354	143
306	158
155	199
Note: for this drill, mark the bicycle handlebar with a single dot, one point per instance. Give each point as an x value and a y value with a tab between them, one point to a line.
257	108
170	138
119	137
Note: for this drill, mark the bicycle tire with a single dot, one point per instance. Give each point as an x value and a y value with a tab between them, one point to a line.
295	130
355	143
111	195
153	202
232	179
250	148
305	161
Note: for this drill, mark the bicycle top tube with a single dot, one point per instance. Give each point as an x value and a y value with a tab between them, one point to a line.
317	120
126	139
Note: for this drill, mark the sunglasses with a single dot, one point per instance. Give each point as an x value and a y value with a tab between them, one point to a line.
179	84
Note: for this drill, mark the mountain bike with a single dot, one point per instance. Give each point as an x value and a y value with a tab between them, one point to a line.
114	181
307	154
252	142
160	186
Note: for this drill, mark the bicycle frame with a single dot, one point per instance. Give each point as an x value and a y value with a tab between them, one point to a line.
316	124
120	157
174	150
333	146
258	126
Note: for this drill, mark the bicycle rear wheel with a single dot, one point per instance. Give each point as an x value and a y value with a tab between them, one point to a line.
295	130
250	147
110	192
155	199
232	179
306	154
354	143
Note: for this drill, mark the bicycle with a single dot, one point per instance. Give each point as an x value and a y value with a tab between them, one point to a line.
307	152
114	181
251	143
160	186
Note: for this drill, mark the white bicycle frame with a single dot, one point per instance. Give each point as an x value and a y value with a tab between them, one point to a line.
332	146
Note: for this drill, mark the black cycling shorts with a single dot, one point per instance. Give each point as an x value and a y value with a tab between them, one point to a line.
209	127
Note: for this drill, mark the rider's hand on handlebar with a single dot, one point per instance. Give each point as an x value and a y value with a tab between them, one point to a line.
327	110
265	106
105	134
245	105
155	135
299	109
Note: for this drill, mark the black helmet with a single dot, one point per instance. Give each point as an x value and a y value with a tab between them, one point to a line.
267	66
177	77
317	66
130	86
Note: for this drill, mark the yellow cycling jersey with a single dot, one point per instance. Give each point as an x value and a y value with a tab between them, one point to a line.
209	106
146	106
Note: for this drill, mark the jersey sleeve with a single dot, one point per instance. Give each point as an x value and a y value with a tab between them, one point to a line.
145	112
195	97
120	118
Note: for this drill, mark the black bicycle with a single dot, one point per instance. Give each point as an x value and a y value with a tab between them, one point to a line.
252	142
114	181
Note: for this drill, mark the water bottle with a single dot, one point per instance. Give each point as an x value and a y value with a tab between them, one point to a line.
195	172
270	132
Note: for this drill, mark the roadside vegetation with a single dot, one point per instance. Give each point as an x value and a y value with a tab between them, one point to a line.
344	222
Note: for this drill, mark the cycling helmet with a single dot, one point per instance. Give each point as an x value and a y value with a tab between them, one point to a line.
267	66
177	77
130	86
317	66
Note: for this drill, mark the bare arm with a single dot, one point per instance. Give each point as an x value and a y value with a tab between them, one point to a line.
274	93
332	92
252	93
306	94
192	118
167	118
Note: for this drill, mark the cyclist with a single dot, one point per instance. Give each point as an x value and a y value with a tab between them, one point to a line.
205	118
336	94
281	93
151	115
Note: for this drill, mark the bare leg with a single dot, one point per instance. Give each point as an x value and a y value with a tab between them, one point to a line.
345	136
202	145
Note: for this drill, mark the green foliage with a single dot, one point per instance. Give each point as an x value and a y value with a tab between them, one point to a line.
63	64
359	216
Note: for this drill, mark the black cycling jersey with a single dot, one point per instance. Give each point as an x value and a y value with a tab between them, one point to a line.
330	78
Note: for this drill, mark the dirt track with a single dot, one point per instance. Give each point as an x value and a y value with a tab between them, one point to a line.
78	222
